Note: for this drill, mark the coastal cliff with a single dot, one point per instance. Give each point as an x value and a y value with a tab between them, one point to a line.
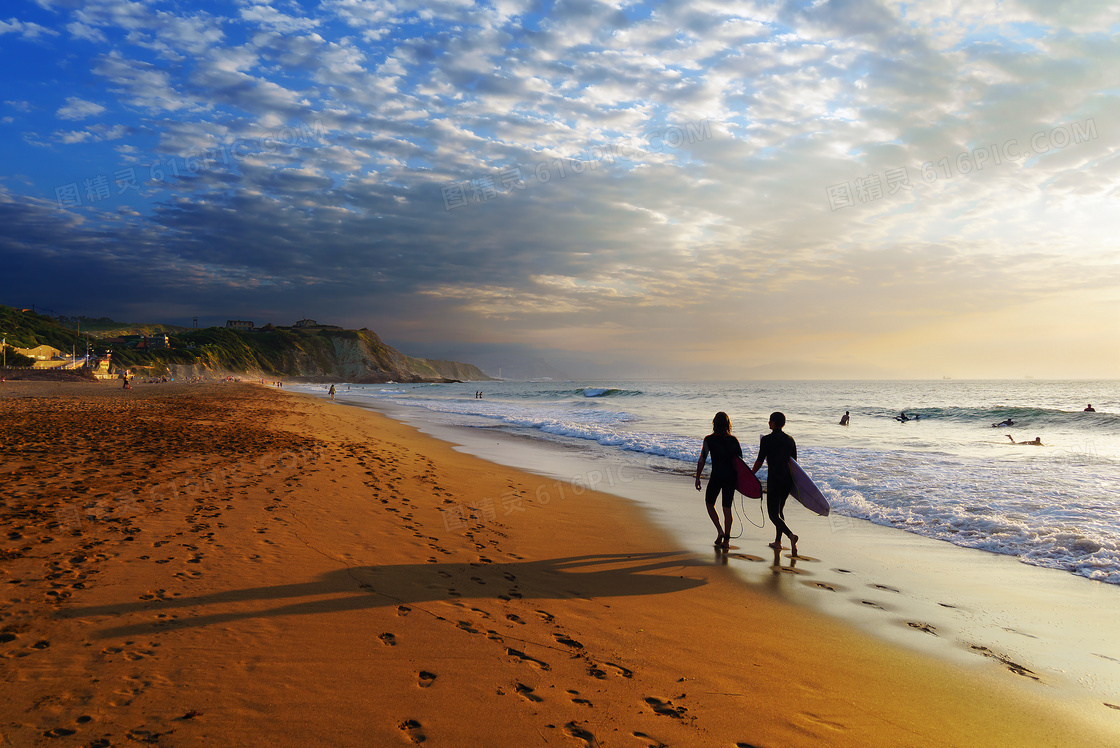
314	353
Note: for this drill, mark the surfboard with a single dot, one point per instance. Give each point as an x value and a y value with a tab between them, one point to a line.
805	491
746	481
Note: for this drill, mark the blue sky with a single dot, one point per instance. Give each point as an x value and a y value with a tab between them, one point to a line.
724	190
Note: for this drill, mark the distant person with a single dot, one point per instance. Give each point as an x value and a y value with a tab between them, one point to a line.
724	448
844	419
901	417
1007	422
1089	409
332	392
777	448
1036	442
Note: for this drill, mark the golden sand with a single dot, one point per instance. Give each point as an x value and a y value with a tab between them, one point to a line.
228	565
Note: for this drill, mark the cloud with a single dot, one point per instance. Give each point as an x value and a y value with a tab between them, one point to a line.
623	178
76	108
26	29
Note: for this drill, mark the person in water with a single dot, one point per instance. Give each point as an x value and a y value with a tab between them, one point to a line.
1007	422
1037	442
777	448
1089	409
724	448
844	419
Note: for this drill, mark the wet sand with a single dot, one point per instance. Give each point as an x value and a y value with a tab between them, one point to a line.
225	564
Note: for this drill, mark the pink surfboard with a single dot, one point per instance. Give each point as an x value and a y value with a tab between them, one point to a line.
746	481
805	491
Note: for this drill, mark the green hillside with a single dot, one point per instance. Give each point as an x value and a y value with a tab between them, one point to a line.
315	352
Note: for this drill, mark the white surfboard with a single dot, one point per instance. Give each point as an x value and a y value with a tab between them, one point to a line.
805	491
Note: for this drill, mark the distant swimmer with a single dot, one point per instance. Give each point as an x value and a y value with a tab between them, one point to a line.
1008	422
1089	409
844	419
901	417
1036	443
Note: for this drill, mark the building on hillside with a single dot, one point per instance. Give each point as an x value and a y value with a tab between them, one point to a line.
160	341
39	353
239	324
306	323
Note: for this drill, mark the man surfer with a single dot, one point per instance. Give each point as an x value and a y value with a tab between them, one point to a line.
777	448
724	448
1007	422
1037	442
1089	409
844	419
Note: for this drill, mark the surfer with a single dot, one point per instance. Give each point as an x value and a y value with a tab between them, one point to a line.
901	417
777	448
844	419
1007	422
1037	442
1089	409
724	448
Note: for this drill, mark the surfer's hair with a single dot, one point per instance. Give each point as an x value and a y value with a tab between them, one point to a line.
721	424
778	418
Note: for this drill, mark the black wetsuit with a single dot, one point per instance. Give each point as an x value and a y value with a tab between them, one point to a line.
777	448
723	448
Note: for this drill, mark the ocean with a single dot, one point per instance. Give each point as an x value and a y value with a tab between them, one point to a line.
949	475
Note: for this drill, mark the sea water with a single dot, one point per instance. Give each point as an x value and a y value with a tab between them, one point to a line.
949	474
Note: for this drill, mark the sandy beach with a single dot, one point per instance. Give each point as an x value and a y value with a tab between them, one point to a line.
232	565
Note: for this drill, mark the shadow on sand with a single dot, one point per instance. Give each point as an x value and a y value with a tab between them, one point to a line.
364	587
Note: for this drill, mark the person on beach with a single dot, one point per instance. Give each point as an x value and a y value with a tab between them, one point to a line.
1089	409
777	448
1037	442
844	419
332	392
723	447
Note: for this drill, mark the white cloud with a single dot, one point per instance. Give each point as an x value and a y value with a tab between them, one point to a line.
76	108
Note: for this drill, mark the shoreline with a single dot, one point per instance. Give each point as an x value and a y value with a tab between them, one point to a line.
963	605
323	597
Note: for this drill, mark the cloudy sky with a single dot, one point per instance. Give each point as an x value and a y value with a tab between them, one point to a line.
678	189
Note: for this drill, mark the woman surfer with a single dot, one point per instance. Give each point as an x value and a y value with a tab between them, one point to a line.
724	448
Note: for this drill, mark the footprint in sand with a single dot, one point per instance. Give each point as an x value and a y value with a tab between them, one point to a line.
389	639
467	627
929	628
655	743
412	729
884	587
526	692
872	604
522	657
666	708
425	679
567	641
575	731
821	586
514	618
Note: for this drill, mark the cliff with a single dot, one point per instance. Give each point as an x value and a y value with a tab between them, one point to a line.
314	353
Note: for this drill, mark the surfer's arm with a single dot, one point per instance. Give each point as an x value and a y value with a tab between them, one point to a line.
700	463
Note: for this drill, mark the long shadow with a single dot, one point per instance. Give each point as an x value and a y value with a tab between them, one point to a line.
365	587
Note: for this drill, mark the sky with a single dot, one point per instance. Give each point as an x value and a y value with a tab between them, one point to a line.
701	189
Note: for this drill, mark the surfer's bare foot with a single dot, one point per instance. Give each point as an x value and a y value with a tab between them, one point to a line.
719	540
776	545
726	544
793	545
